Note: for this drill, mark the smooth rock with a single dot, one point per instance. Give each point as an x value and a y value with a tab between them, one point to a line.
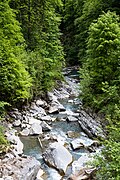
52	97
76	144
70	101
71	119
16	123
32	120
58	156
35	129
25	132
46	118
7	178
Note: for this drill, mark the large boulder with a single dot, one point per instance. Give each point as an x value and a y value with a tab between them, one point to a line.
58	156
20	168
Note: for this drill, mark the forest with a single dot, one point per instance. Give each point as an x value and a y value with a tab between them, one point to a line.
38	38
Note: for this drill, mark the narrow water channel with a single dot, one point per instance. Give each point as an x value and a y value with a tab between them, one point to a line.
60	128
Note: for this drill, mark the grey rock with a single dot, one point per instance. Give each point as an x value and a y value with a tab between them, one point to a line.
58	156
80	163
16	142
33	120
35	109
82	142
20	168
90	126
52	97
39	174
84	174
76	144
25	132
71	119
53	109
45	126
16	123
41	103
46	118
35	129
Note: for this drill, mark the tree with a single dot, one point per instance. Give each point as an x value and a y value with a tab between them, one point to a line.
42	21
15	81
101	70
90	11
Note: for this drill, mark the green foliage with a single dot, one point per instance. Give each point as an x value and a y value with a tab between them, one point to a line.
2	108
3	141
100	87
109	160
100	73
40	26
14	79
81	15
69	31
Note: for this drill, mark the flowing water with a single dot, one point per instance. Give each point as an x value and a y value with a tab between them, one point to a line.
59	128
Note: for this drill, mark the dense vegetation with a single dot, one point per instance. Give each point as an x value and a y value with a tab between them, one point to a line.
32	57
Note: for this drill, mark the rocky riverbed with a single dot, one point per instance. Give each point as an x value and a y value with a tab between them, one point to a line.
52	138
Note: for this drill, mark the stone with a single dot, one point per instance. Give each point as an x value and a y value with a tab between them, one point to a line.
76	144
33	120
36	129
40	102
16	123
72	134
46	118
51	96
70	101
25	132
58	156
90	126
7	178
84	174
16	142
53	109
21	168
80	163
82	142
71	119
37	109
39	174
45	126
